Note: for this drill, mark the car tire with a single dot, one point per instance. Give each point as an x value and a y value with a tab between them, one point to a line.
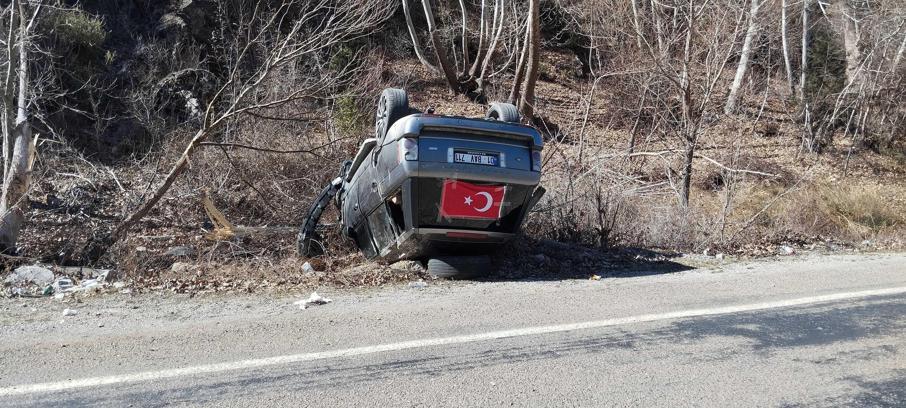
393	105
504	112
459	267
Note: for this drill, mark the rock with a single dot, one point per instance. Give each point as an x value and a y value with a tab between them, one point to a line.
180	267
540	258
69	312
786	250
34	274
178	251
408	266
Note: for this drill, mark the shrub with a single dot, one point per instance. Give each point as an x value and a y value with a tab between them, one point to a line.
80	28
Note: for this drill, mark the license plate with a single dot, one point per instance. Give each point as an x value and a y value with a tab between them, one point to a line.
475	158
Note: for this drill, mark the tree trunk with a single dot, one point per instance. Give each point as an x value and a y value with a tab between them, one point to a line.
465	36
899	56
515	91
803	63
743	66
784	36
482	33
851	44
658	30
416	44
689	133
9	89
527	101
635	23
17	174
442	60
686	178
499	13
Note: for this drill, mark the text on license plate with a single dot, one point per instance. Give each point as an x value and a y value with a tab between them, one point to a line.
475	158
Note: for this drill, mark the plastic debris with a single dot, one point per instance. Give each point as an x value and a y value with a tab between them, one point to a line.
787	250
86	285
313	300
178	251
307	268
30	274
69	312
62	284
595	277
419	284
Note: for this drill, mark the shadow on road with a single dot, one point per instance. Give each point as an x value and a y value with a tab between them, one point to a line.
527	259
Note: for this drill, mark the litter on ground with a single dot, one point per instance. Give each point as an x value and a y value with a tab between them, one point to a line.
313	300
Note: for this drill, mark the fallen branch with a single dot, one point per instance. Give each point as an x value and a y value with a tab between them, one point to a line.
708	159
260	149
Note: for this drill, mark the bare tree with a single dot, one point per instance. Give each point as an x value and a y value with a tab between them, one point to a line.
803	59
18	144
899	56
635	23
519	75
743	65
850	26
658	26
439	50
465	35
482	34
533	59
785	44
703	42
294	32
416	44
497	28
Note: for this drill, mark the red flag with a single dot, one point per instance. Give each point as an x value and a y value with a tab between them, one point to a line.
466	200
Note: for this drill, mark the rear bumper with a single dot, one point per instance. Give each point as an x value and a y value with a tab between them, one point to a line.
456	171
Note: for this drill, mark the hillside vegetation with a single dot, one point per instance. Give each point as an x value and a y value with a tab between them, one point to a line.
682	125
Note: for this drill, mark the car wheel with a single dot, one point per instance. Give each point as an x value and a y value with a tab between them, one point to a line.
460	267
504	112
393	105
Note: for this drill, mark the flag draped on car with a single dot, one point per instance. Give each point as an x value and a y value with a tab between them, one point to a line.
460	199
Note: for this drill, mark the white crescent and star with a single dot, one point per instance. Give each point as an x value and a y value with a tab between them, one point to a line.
487	206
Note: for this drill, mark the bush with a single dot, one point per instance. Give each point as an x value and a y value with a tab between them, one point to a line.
80	28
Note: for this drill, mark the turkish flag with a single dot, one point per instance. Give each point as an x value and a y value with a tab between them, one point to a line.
466	200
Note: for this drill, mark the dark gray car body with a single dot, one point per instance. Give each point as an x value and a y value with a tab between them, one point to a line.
390	205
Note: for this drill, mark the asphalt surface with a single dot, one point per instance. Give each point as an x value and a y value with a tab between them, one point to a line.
809	331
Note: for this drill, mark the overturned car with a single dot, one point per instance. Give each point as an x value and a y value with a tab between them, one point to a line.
446	189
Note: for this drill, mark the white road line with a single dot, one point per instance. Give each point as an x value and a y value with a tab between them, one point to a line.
357	351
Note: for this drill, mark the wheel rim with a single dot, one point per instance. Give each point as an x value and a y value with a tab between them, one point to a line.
381	118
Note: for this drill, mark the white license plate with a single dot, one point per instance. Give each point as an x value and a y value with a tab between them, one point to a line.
475	158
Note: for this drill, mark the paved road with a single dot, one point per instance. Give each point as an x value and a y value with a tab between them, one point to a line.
812	331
